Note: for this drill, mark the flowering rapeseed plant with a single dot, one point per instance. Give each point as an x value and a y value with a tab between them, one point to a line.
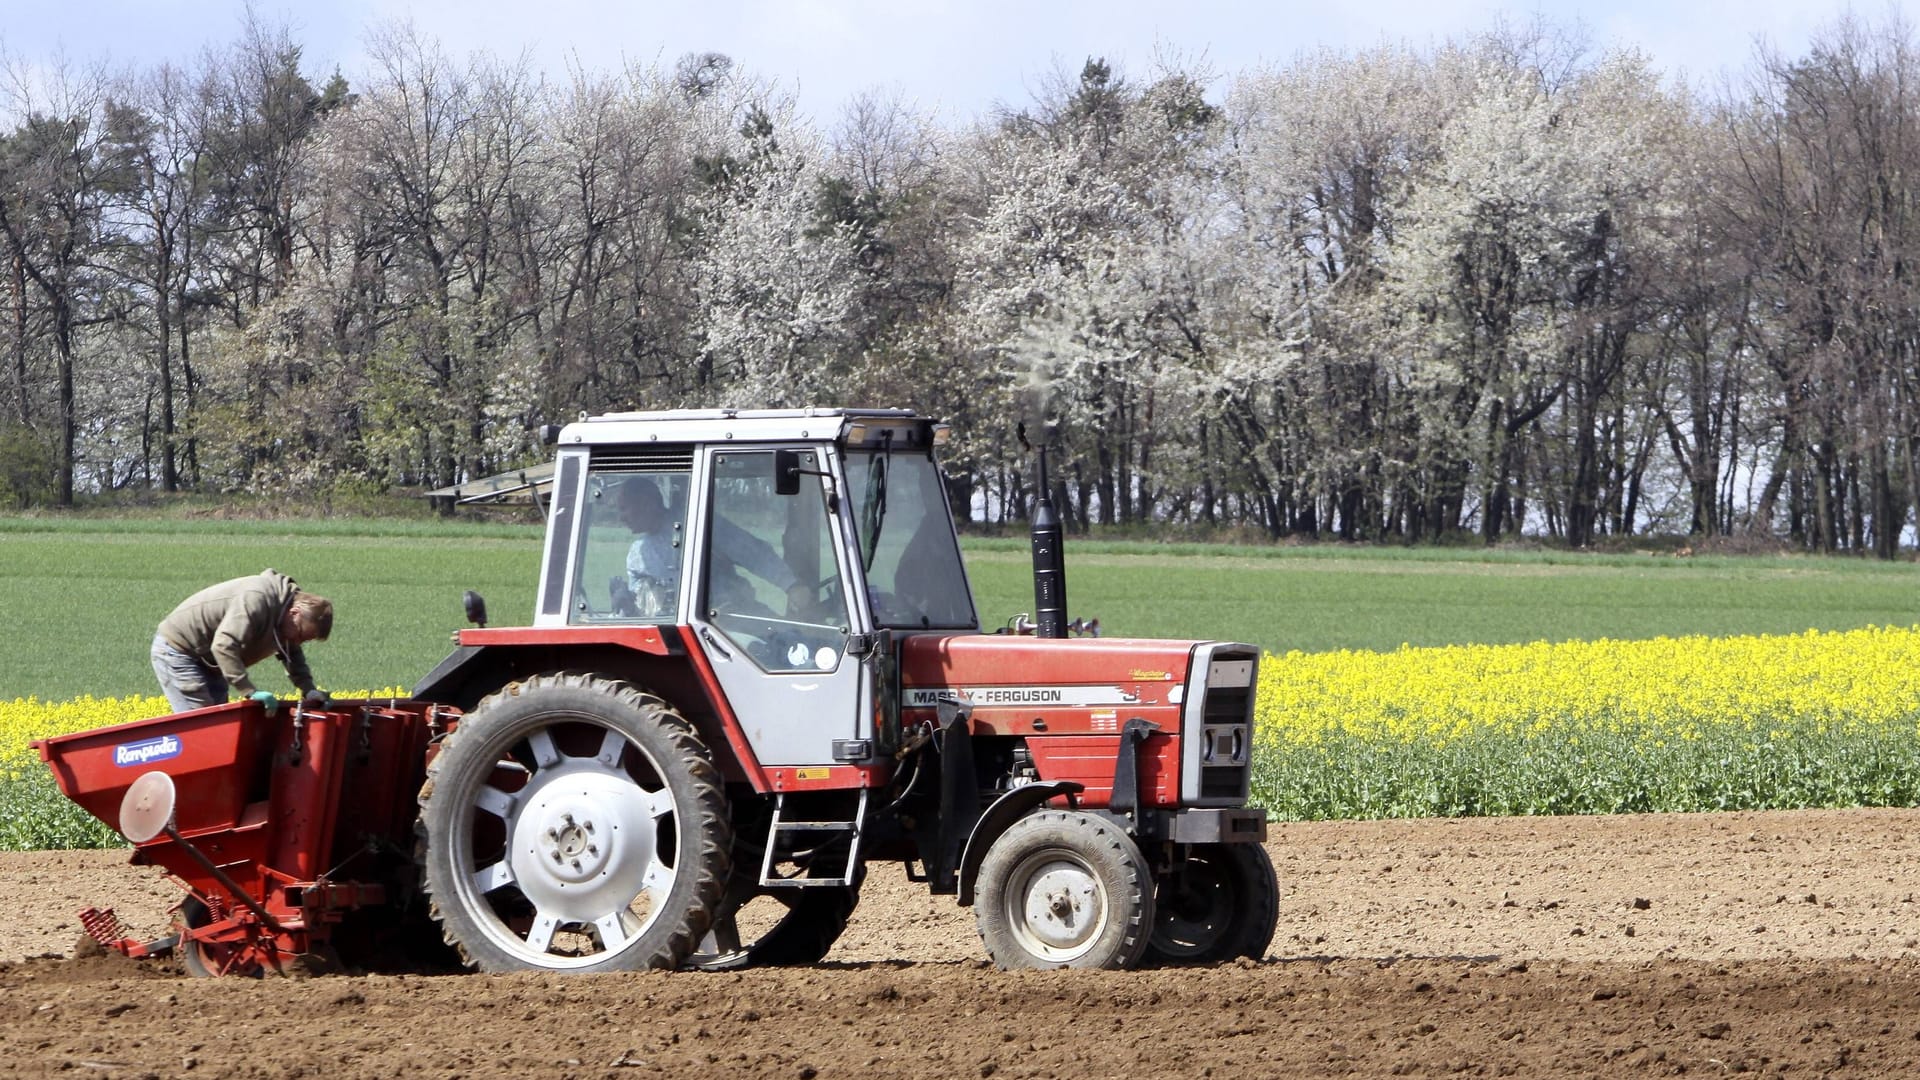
1692	723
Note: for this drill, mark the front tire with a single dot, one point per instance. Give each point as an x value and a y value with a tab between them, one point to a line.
1220	904
1061	888
576	823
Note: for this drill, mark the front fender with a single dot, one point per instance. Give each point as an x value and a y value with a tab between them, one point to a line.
1006	810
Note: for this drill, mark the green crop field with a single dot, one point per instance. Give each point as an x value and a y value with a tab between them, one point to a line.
1322	598
79	598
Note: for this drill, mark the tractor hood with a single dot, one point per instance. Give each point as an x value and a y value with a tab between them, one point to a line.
1009	680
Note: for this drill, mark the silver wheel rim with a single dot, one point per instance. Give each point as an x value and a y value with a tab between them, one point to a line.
1056	905
583	846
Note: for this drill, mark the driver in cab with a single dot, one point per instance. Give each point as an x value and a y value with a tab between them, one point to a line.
653	559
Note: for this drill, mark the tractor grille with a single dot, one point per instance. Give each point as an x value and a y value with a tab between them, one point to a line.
1227	755
643	459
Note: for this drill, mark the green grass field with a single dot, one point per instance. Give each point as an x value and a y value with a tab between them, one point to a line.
79	598
1322	598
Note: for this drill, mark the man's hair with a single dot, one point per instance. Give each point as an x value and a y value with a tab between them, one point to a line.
638	490
316	612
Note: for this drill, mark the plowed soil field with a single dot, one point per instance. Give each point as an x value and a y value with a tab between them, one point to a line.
1776	943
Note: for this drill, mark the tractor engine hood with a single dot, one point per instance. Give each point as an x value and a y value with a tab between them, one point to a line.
1070	701
1066	684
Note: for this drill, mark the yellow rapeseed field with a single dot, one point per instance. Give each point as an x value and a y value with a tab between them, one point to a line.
23	720
1820	718
1666	688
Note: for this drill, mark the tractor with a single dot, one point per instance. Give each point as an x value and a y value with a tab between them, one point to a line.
754	667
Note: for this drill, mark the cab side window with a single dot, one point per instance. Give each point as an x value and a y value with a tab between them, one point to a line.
633	546
772	584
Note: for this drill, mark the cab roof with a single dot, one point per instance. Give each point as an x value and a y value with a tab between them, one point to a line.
747	426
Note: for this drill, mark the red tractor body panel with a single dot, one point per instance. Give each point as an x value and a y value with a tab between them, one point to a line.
1068	698
646	639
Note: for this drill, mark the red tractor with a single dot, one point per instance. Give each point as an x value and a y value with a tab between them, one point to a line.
754	666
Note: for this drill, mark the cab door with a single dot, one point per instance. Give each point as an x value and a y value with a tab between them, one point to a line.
772	607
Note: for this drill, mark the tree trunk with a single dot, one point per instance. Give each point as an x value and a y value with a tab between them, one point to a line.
19	283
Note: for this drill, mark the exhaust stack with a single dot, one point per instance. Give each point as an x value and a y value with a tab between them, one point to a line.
1049	564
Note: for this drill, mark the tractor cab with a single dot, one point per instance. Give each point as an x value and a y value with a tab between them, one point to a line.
795	544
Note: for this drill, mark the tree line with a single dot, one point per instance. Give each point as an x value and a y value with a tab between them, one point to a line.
1511	284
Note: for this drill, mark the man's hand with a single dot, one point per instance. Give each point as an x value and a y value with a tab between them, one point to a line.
620	595
267	700
316	699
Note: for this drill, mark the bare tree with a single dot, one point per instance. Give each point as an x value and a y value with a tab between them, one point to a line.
1825	149
54	184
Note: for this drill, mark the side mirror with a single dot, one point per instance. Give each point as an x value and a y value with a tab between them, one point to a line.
476	608
786	472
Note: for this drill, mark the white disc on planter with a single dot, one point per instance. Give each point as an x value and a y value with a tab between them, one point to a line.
147	808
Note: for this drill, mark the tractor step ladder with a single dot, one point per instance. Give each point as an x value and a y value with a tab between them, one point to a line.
817	874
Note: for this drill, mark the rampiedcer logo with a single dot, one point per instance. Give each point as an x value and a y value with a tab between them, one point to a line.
146	751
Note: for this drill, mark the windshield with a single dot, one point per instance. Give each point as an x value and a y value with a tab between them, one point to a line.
914	575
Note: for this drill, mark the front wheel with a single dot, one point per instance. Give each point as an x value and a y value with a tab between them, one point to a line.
573	823
1219	904
1061	888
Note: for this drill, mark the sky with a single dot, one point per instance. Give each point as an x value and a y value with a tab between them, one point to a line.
955	58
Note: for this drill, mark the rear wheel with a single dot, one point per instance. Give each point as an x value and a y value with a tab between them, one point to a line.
1219	904
573	823
1061	888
